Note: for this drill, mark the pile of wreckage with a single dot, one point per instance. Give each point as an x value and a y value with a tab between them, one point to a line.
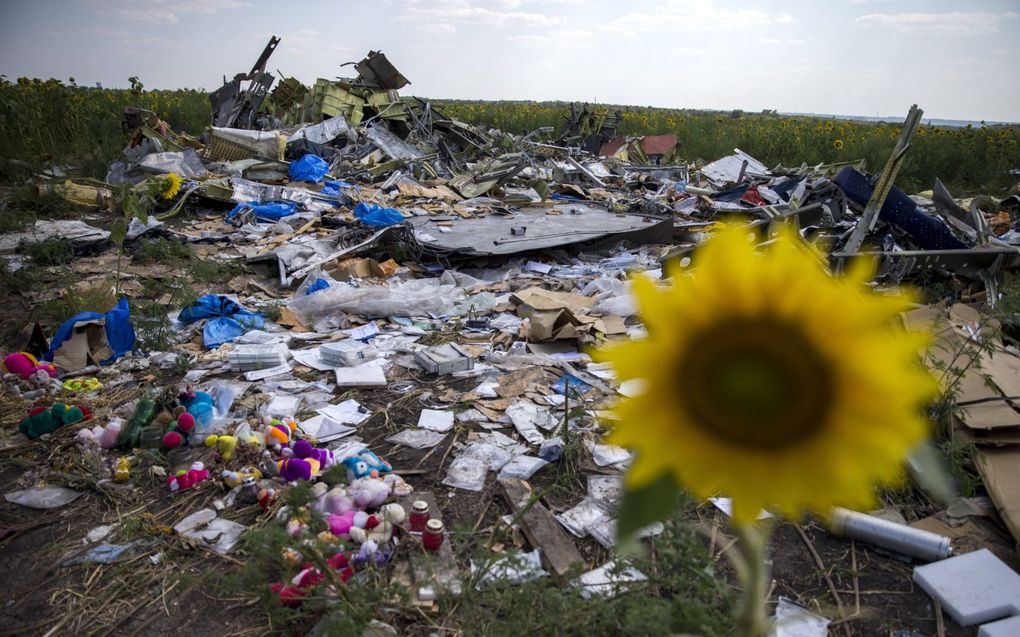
387	223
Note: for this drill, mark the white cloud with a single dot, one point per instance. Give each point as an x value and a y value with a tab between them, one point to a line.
689	15
557	39
795	41
170	11
437	28
465	11
955	22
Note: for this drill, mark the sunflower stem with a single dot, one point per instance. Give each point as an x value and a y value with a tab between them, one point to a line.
751	620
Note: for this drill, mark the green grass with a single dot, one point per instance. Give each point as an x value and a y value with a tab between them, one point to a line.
49	252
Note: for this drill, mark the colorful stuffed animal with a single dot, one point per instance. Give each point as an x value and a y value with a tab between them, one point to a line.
398	488
184	480
234	478
41	420
199	404
309	577
304	449
368	493
366	464
388	517
25	365
294	469
224	445
178	436
103	436
279	432
371	555
331	501
123	471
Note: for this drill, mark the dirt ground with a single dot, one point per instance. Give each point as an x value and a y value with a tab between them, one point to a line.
863	590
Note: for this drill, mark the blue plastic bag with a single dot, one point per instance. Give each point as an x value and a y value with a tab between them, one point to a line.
316	285
120	334
273	211
372	214
309	168
226	319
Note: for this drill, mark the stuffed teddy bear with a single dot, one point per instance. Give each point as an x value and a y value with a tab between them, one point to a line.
327	501
388	517
368	493
224	445
366	464
41	420
184	480
25	365
398	488
103	436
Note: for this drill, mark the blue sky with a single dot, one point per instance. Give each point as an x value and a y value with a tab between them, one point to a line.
860	57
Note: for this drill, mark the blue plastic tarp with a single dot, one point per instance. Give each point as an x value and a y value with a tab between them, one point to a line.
377	216
273	211
120	334
227	319
309	168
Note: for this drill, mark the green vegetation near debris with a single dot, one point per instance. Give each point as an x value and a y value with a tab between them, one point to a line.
47	121
44	121
968	160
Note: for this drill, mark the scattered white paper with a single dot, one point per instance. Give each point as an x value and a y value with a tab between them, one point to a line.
793	620
364	332
605	455
521	467
416	438
527	417
262	374
467	474
605	488
311	358
535	266
609	579
349	412
367	375
283	405
325	429
436	420
726	506
588	512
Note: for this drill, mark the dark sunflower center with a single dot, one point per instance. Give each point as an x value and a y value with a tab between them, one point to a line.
759	383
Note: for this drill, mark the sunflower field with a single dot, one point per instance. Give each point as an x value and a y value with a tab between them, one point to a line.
47	121
44	121
970	160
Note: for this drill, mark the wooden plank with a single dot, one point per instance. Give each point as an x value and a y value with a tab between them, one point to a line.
541	528
433	572
1000	471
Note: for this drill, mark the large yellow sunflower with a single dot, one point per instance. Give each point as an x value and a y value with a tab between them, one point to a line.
768	380
171	186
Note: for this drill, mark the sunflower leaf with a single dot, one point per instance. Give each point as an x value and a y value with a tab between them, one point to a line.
118	231
643	506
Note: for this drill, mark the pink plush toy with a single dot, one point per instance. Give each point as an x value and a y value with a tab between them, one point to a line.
187	479
368	493
105	437
24	364
332	501
341	525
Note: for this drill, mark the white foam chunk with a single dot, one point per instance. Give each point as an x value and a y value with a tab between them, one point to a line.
973	588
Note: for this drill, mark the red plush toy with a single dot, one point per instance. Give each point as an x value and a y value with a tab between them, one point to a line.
187	479
300	585
179	434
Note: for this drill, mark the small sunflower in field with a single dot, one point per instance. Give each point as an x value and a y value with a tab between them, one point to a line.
768	380
838	144
171	186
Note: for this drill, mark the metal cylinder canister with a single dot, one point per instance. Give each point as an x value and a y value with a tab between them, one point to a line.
917	543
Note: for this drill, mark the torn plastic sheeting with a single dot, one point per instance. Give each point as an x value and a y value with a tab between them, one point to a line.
609	579
323	132
43	497
185	163
310	168
227	319
265	212
103	554
418	297
510	568
466	473
78	233
118	338
392	145
377	216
